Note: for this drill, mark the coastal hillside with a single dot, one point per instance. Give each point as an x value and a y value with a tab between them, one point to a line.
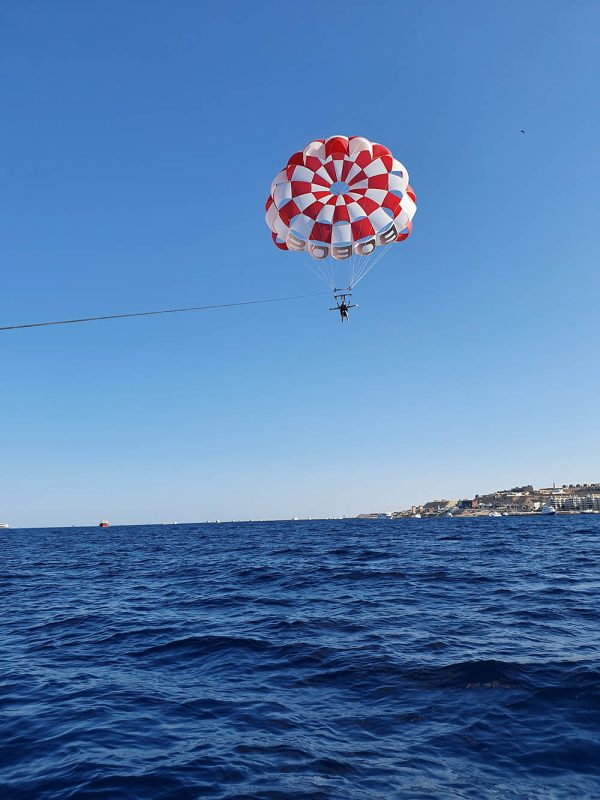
566	499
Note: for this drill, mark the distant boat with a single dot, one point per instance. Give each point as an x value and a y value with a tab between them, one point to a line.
548	510
294	519
494	514
103	524
4	525
416	516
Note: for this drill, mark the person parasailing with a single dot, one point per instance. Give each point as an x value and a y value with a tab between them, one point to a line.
343	201
342	306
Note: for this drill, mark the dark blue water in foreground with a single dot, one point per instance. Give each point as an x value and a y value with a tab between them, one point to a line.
351	659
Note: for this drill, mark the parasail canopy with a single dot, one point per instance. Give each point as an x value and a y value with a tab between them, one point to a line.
341	198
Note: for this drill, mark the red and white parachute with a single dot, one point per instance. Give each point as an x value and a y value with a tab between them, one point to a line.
342	199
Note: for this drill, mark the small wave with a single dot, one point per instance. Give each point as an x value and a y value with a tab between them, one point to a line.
193	647
485	674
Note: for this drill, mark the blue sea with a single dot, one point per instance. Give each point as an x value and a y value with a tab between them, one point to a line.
348	659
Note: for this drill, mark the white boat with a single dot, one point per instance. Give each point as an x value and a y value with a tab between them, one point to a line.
548	510
416	516
386	515
4	525
494	514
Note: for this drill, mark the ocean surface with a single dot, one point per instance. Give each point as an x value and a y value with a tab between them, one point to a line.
341	659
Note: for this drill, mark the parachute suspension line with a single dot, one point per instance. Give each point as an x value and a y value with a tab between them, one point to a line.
365	268
315	267
316	271
359	263
355	268
355	263
345	274
320	267
162	311
372	262
330	266
324	274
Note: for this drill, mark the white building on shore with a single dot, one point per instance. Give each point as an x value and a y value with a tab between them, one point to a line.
575	502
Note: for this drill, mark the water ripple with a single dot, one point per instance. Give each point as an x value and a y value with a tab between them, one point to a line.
346	659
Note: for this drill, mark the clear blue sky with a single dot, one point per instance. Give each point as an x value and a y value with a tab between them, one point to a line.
138	144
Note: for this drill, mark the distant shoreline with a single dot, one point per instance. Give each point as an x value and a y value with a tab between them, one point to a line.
476	515
574	498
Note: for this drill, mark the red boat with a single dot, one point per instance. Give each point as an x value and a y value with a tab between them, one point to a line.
104	523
